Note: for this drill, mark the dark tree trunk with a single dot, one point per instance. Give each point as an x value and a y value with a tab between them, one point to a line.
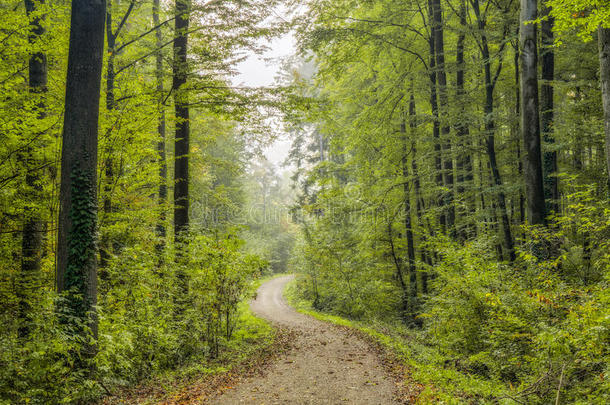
161	231
435	117
577	151
416	186
76	244
490	129
107	246
464	160
411	271
404	289
105	243
517	137
443	103
551	183
181	165
33	227
530	120
407	193
604	74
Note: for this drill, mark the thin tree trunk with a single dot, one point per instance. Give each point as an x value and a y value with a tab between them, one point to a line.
464	160
404	289
551	183
517	137
604	69
416	186
76	244
411	271
530	120
490	129
578	149
33	227
161	231
443	104
105	243
435	117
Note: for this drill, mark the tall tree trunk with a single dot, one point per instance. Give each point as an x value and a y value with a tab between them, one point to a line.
577	151
33	227
604	74
517	137
464	159
105	243
76	243
530	120
443	103
434	107
551	182
181	164
411	271
416	186
161	231
490	129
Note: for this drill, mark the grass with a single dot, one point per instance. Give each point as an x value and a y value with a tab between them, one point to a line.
252	341
442	383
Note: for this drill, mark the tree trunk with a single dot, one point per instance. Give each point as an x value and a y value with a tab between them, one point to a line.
161	231
517	140
181	164
530	120
416	186
464	160
76	244
490	129
411	271
551	182
443	103
33	227
604	74
105	243
435	117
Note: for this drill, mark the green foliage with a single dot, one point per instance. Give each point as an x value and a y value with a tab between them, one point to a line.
493	331
584	16
156	315
81	242
140	334
379	144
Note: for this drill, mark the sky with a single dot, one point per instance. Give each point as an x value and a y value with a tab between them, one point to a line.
262	70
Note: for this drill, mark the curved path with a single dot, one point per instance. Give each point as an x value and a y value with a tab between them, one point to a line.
326	366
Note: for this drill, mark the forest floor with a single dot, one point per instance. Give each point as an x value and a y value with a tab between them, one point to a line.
325	365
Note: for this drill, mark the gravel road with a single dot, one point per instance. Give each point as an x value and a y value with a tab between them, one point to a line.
326	366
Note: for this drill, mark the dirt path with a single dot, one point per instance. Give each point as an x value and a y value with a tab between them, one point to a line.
326	366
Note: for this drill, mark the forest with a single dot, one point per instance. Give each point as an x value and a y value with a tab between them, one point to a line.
445	196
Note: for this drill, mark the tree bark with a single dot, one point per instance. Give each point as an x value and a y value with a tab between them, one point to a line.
411	272
604	74
551	182
517	137
490	129
407	193
161	231
33	227
464	159
435	115
105	243
76	245
181	164
443	103
530	119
